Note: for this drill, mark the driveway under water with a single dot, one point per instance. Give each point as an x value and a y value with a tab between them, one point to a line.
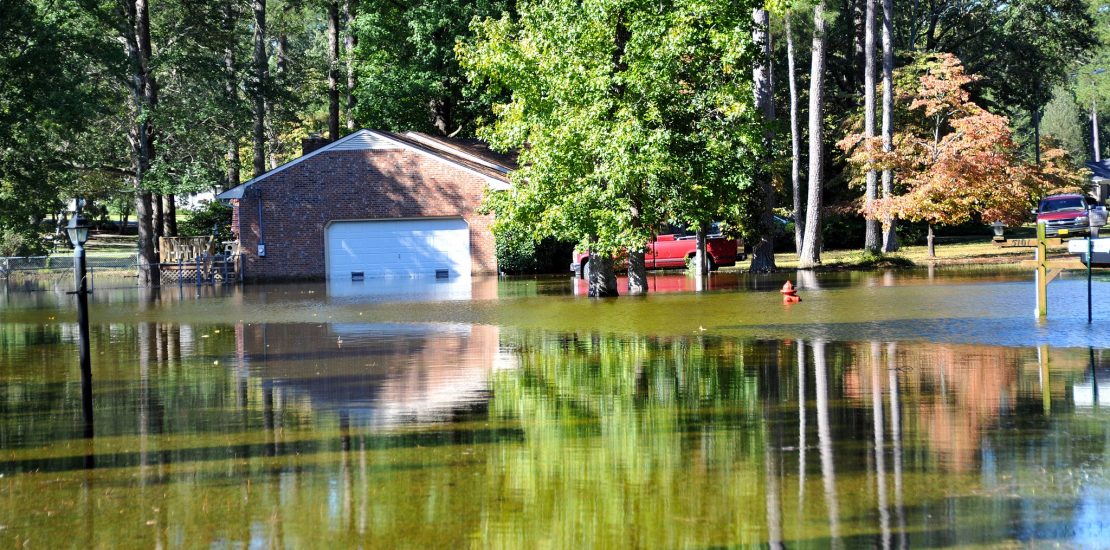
895	409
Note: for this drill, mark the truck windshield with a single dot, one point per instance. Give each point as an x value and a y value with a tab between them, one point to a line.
1059	205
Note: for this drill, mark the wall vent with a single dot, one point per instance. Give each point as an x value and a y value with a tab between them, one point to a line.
358	275
442	274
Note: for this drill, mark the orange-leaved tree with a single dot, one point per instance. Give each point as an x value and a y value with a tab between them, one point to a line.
953	159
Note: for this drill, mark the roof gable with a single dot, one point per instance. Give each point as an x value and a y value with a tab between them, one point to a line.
1100	169
366	140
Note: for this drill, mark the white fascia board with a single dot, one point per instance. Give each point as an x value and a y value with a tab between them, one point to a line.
239	191
494	183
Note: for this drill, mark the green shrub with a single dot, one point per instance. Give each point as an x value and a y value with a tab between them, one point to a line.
517	253
201	220
21	243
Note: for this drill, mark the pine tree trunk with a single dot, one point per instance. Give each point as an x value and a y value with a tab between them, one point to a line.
890	224
145	95
871	238
273	129
1037	135
763	251
858	39
231	93
1094	132
811	242
795	139
602	279
350	9
333	70
261	83
232	163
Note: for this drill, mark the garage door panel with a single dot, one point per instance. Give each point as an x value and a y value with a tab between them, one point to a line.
398	248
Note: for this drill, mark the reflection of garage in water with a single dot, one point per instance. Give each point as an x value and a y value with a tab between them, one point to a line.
371	205
379	375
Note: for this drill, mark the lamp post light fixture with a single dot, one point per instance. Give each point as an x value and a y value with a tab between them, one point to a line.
999	230
78	232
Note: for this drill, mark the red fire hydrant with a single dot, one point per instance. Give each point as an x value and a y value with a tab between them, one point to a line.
789	295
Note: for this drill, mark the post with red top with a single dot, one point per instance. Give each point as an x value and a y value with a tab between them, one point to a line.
789	294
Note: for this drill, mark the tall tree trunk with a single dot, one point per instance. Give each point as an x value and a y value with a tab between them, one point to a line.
763	252
158	218
441	115
602	279
701	254
795	138
231	91
145	97
350	9
169	215
811	242
333	70
261	84
637	273
273	128
911	42
859	27
637	270
1094	132
1037	135
871	238
932	244
890	224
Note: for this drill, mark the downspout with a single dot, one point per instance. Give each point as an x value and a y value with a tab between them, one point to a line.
261	225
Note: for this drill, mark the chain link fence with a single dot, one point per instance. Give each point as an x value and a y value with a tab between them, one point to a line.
33	264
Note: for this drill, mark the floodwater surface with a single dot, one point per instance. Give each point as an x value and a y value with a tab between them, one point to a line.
896	409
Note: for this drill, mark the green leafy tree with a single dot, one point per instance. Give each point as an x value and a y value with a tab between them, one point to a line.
45	103
408	76
1064	120
625	114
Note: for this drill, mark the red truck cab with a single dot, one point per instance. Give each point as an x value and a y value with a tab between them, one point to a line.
674	248
1065	215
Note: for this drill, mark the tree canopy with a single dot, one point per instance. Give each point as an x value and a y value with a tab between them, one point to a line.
626	114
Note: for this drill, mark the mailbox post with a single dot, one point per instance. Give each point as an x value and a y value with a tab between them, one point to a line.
1096	217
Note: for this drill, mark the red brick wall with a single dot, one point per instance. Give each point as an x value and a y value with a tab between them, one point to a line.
298	203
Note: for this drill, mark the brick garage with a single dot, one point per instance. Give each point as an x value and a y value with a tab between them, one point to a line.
367	175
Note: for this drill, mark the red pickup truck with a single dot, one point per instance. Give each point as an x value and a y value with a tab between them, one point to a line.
673	250
1065	215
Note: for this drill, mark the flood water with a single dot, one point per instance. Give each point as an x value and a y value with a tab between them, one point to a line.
889	409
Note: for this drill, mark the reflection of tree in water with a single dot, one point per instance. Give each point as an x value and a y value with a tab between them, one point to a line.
958	392
631	441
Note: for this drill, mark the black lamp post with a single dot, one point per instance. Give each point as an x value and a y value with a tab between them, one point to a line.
78	232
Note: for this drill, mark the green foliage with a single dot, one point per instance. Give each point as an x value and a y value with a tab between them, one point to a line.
25	242
626	114
46	100
409	78
1063	124
208	215
518	253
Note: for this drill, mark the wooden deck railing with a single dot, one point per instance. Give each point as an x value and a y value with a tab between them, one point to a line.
185	249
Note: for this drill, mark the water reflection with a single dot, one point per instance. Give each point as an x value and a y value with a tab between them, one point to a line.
349	431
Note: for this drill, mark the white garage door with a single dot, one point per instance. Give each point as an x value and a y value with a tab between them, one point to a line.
398	248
